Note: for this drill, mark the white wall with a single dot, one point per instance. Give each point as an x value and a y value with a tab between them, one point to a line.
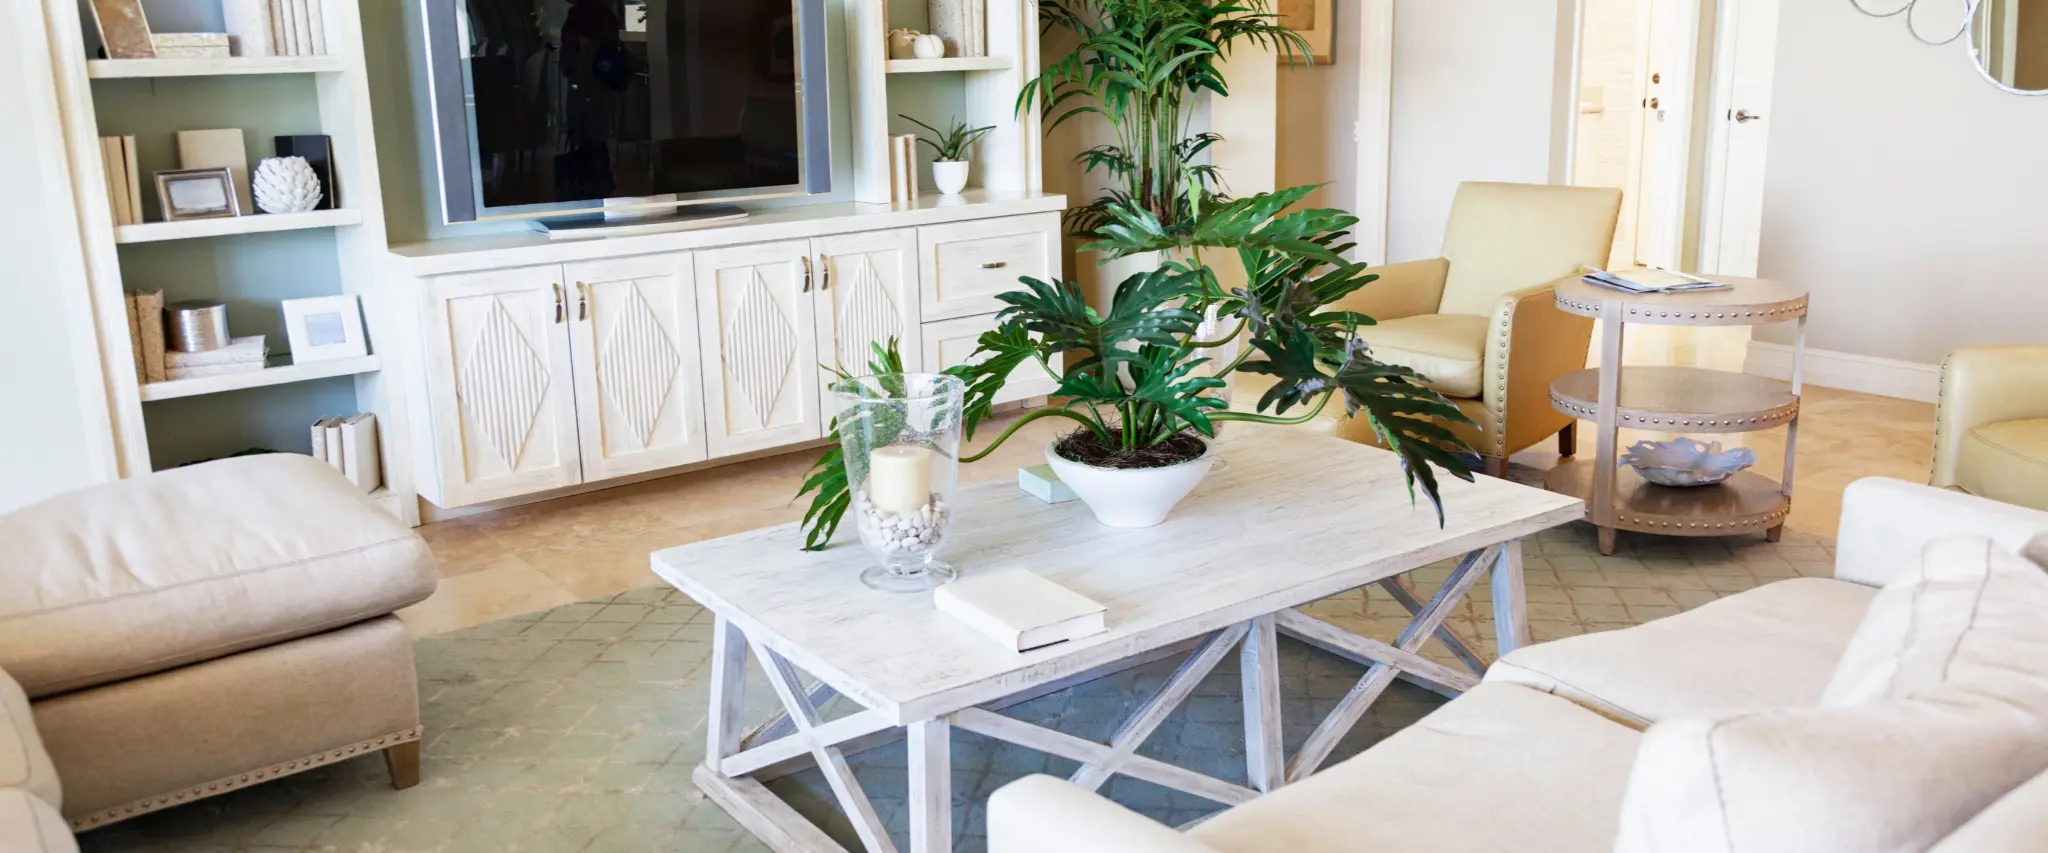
1476	98
1910	195
47	433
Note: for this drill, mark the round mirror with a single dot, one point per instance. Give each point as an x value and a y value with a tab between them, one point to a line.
2009	42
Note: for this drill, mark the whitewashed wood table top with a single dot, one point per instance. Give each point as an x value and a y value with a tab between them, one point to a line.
1295	518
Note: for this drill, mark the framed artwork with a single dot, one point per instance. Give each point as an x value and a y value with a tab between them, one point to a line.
324	328
1315	20
196	193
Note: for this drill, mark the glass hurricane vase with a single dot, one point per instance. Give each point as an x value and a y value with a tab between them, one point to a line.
900	433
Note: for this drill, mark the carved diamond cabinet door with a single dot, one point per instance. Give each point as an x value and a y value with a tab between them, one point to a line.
639	397
755	319
499	386
866	294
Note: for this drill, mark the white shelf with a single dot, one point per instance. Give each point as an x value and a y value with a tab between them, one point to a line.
150	232
951	63
176	388
112	69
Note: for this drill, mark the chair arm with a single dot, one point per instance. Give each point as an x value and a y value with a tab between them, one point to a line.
1886	523
1041	814
1403	290
1985	385
1529	344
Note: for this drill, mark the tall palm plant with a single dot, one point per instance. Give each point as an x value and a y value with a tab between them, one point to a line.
1138	65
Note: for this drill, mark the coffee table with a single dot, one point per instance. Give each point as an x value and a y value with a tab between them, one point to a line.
1296	517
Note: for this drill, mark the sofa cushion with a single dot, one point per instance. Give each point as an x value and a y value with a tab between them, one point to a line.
1959	722
186	565
1499	768
24	763
1449	349
2006	461
29	825
1770	647
2017	823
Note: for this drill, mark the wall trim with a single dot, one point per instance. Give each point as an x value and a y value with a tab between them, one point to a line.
1374	133
1868	374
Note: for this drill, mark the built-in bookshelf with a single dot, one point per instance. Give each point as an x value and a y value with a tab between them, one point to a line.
252	261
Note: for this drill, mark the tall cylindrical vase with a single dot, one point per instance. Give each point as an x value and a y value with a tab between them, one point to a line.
900	434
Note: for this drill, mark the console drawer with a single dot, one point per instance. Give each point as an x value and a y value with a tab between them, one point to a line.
967	263
951	342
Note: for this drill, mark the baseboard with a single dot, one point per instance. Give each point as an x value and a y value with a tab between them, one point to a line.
1885	377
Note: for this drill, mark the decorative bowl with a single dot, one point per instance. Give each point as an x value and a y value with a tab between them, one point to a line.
1683	462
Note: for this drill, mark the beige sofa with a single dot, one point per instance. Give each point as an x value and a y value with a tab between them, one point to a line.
180	635
1805	715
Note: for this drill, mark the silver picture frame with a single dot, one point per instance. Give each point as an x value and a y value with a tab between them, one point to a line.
185	194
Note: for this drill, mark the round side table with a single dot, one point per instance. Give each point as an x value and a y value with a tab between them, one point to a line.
1679	400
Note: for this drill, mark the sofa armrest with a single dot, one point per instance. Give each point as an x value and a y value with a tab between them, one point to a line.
1529	344
1886	523
1041	814
1985	385
1403	290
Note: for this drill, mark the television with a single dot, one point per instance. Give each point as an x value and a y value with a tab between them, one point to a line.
572	112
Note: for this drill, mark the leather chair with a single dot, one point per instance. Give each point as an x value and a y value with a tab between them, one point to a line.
1991	425
1480	322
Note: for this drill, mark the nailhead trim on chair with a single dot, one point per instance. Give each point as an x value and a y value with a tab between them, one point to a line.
1940	402
241	780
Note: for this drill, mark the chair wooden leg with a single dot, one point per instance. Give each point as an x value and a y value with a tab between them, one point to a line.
1775	534
1568	440
1496	466
403	761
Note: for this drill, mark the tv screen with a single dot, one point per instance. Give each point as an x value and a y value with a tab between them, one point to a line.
566	103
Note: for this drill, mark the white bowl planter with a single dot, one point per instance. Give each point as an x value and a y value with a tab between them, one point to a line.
950	176
1131	497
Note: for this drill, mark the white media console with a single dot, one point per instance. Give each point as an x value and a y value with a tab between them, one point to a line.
529	366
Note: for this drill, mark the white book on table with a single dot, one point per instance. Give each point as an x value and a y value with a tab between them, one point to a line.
1019	609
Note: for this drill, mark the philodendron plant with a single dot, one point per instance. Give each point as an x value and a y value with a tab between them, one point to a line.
1138	379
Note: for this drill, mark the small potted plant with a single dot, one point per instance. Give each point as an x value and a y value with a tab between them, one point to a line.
949	171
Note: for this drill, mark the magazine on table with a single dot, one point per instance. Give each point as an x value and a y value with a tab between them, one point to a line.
1653	281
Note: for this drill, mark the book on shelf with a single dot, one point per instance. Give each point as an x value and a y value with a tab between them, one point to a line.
149	334
134	179
248	25
216	148
205	370
245	354
134	337
1019	609
359	452
319	153
302	26
332	426
115	162
316	27
1652	281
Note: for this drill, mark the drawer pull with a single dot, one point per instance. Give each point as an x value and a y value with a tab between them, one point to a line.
995	265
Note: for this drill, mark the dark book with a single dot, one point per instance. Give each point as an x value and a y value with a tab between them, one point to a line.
319	153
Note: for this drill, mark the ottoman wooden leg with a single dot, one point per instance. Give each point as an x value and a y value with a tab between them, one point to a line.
403	761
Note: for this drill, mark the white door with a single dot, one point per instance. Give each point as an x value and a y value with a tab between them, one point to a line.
866	294
498	383
639	384
1667	133
952	342
1731	215
757	329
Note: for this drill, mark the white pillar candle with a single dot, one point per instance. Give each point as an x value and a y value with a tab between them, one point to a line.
900	478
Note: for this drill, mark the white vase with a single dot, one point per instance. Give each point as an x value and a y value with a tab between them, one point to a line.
950	175
1131	497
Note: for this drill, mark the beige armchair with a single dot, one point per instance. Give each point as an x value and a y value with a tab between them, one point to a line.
1991	427
1480	321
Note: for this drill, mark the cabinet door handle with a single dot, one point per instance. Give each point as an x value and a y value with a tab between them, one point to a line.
807	273
582	302
995	265
825	273
561	311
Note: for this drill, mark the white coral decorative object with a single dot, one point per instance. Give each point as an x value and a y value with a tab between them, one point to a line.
285	185
1683	462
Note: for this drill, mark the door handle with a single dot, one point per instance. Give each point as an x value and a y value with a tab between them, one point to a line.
995	265
561	311
824	273
807	274
582	301
1745	116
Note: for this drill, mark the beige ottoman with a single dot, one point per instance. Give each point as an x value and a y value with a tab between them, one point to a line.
203	629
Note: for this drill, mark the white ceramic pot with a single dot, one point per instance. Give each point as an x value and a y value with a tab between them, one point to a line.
950	175
1131	497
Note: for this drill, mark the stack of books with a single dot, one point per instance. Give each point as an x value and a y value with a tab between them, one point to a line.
1653	281
124	183
903	167
241	355
350	445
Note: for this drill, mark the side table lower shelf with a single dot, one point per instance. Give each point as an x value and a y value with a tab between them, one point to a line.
1746	503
